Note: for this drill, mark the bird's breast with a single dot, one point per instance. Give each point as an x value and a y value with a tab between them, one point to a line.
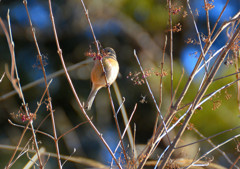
111	67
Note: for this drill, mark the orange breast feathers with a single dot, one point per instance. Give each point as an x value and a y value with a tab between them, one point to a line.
111	68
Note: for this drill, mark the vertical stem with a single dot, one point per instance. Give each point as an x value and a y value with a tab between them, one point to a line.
46	84
198	97
73	89
207	19
108	86
171	45
17	84
238	83
161	75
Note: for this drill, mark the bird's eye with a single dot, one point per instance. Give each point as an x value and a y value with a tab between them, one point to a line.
107	51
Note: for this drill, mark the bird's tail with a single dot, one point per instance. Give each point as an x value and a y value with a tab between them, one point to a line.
91	98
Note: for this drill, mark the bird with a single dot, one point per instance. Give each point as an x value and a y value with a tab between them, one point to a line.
111	67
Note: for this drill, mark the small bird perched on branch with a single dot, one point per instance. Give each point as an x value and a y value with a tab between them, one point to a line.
111	67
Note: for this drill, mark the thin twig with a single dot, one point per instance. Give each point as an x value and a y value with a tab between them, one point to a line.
174	109
3	75
120	107
199	37
210	58
219	17
216	91
206	48
150	91
125	118
210	94
126	128
11	49
33	160
74	150
210	142
171	128
208	138
223	26
107	84
90	24
17	86
72	129
12	44
179	82
23	151
160	84
207	18
155	103
235	162
46	83
37	131
199	97
161	157
25	129
236	60
213	149
161	75
171	43
76	159
59	51
50	76
175	92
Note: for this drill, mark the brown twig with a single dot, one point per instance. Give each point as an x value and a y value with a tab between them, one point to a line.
171	43
203	53
207	18
174	109
13	67
213	149
223	26
11	49
210	94
236	60
75	159
72	129
126	128
125	118
210	58
46	83
17	86
90	24
160	85
210	142
215	25
59	51
206	48
155	103
132	29
107	84
199	96
175	92
32	160
37	131
50	76
235	162
26	127
150	91
196	70
161	75
206	138
179	82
